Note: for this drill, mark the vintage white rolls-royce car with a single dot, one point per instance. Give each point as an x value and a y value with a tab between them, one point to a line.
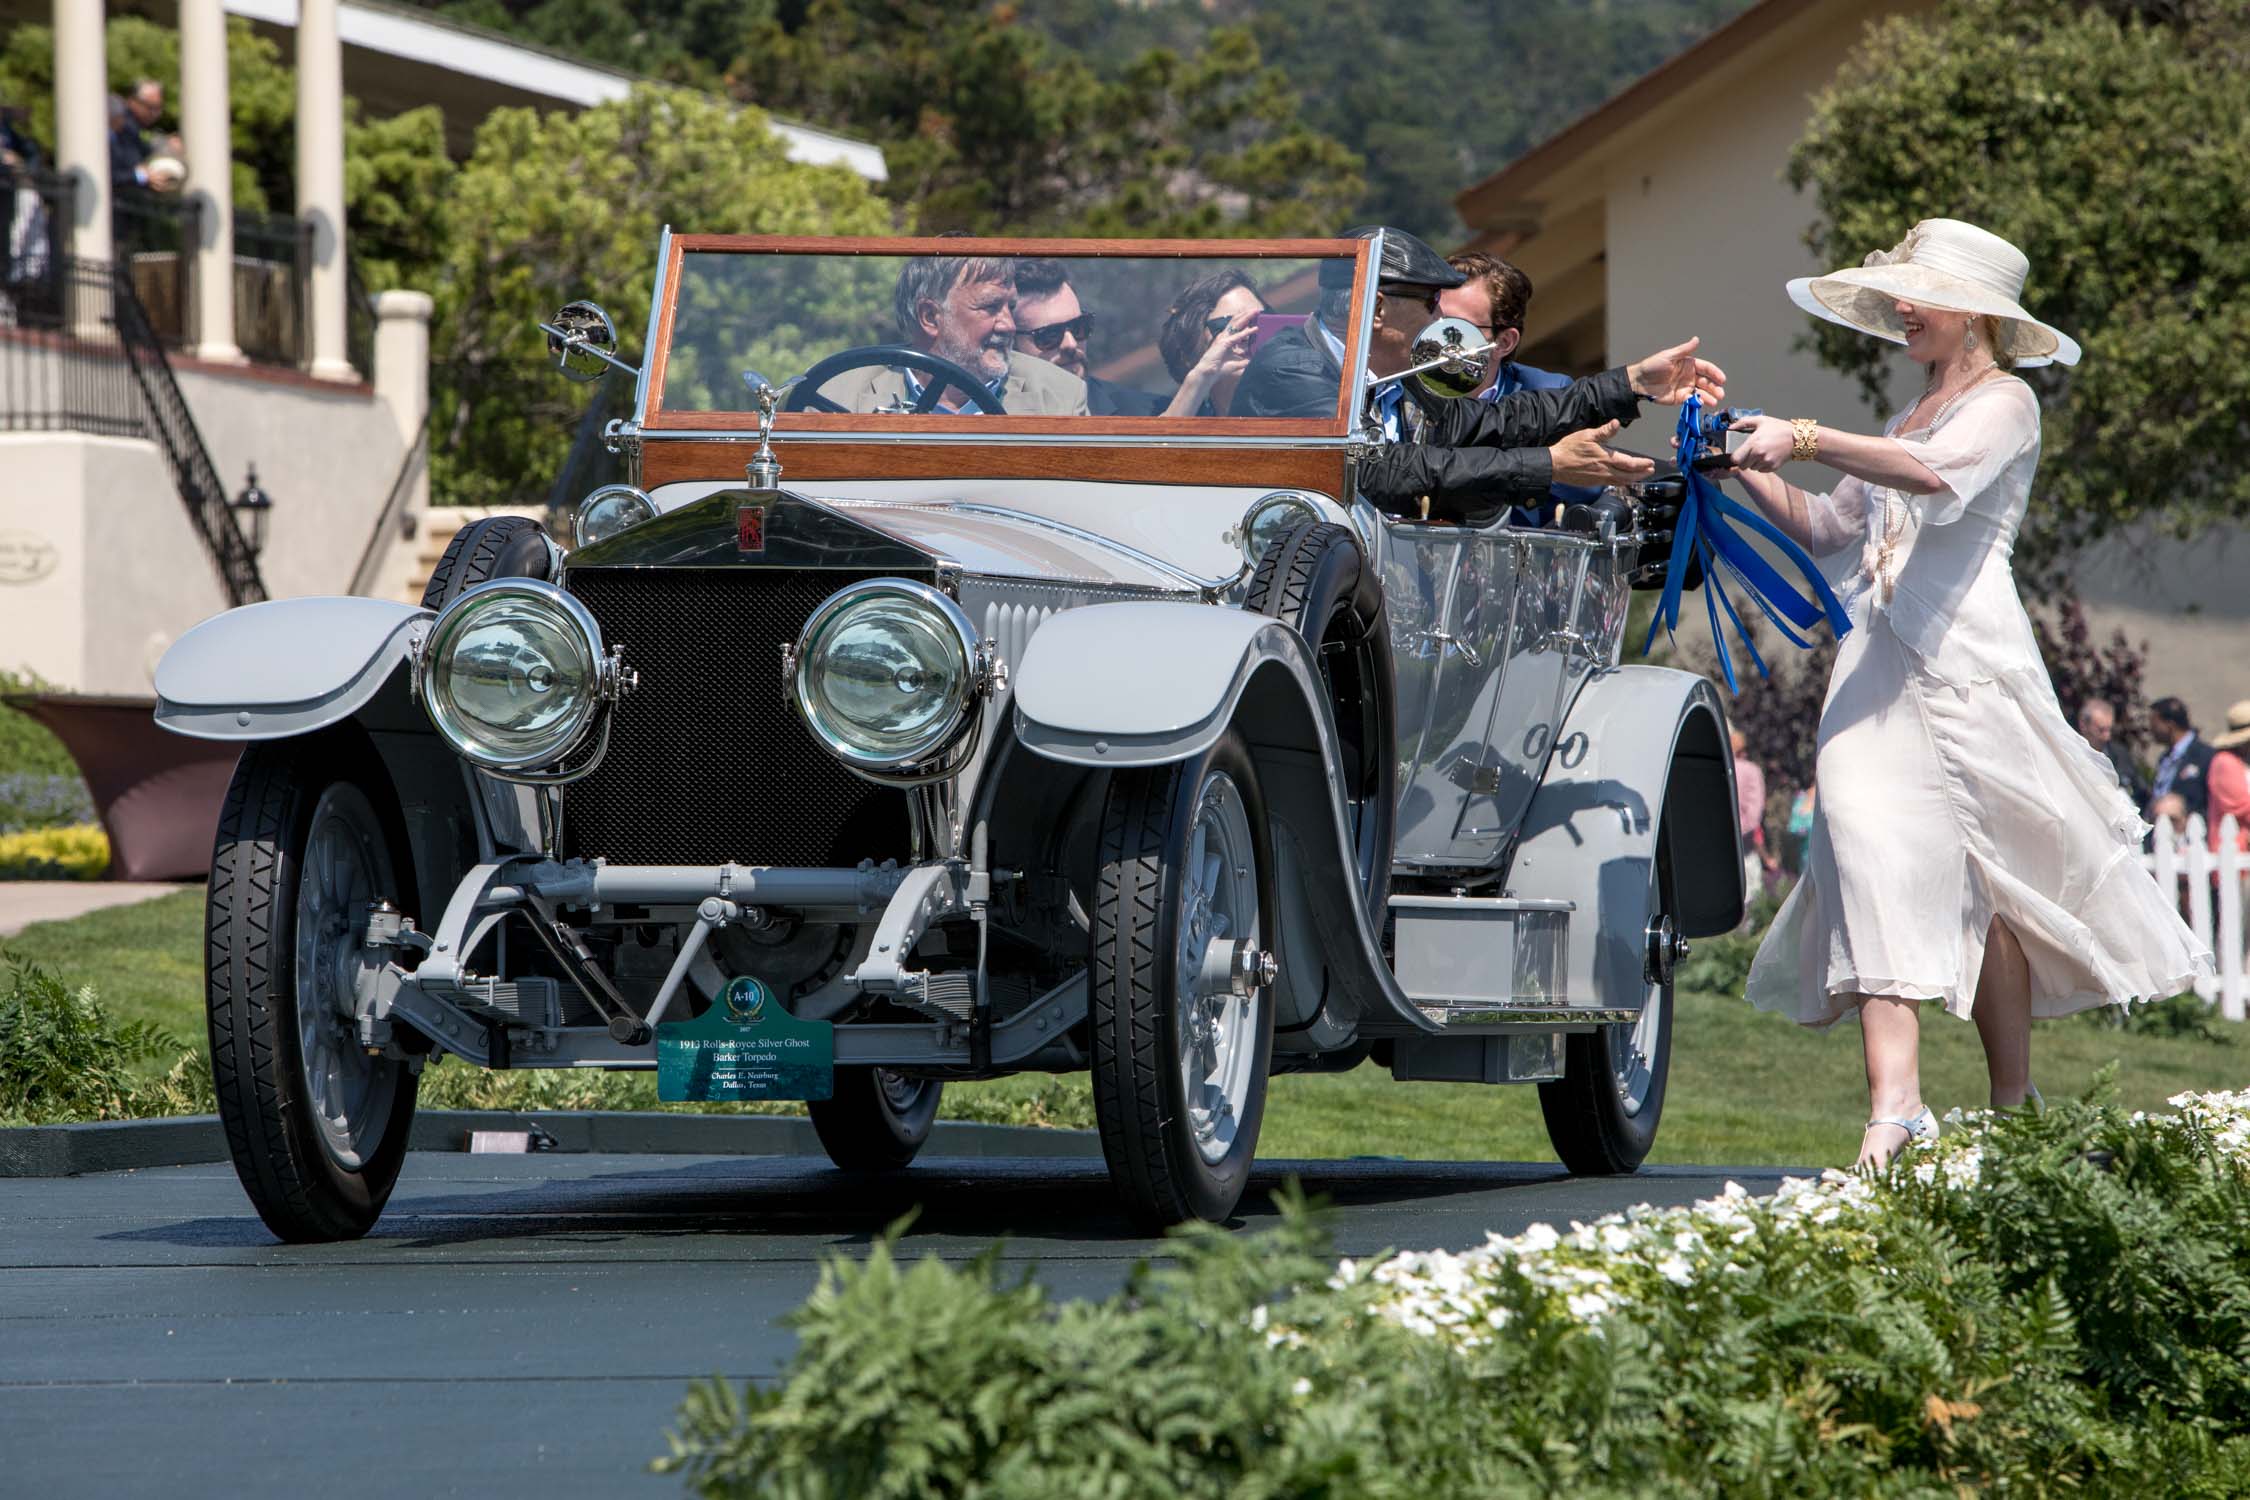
928	711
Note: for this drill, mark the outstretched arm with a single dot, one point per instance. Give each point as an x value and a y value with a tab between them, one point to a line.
1878	460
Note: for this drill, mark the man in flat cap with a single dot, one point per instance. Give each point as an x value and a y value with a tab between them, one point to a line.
1457	460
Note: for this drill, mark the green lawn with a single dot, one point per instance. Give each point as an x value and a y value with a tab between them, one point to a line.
1745	1087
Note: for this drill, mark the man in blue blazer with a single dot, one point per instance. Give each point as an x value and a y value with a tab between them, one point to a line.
1496	297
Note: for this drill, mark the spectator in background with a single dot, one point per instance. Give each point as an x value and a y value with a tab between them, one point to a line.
26	228
1223	302
1750	815
2227	783
1497	299
1798	837
2185	766
137	159
2097	721
18	152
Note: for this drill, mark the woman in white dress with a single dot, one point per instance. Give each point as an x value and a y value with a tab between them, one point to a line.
1969	848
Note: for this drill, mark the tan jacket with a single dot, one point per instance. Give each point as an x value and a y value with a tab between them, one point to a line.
1033	388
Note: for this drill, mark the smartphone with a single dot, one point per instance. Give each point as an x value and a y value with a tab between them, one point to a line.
1266	325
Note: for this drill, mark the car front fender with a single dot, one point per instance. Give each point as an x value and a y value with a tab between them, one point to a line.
1643	747
285	667
1145	683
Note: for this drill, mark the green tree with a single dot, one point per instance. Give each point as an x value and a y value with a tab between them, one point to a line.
556	206
2110	142
988	124
1434	97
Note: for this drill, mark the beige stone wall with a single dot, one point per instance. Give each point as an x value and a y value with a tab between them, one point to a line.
327	456
99	568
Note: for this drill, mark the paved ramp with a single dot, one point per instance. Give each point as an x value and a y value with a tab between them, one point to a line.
526	1325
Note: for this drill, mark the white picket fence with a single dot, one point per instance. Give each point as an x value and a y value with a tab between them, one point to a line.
2208	886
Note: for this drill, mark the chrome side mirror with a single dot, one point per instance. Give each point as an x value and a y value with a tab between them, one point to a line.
583	341
1449	358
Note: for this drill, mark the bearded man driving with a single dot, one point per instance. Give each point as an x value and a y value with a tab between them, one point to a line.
961	309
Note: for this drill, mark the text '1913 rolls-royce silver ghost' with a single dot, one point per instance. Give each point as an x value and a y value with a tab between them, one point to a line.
926	709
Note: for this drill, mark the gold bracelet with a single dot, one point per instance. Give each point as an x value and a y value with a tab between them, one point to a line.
1808	438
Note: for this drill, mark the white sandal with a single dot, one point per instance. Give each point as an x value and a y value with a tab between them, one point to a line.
1921	1129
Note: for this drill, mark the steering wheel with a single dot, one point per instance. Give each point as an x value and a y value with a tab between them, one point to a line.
940	372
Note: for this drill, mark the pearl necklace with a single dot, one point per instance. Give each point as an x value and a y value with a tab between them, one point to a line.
1894	507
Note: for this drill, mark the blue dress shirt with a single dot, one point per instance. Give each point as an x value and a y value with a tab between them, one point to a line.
1515	377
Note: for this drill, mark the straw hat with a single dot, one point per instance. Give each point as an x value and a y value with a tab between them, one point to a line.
2238	728
1941	263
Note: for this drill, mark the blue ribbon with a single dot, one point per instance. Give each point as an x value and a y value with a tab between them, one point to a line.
1703	530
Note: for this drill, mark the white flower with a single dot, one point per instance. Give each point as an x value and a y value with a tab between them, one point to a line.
1302	1388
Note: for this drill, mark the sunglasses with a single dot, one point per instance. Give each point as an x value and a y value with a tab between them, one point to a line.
1049	338
1421	296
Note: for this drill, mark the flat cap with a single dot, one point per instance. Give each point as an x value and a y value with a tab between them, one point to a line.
1407	261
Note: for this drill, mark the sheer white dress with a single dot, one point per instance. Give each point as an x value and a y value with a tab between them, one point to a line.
1952	789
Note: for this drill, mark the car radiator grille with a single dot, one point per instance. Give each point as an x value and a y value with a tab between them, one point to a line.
707	761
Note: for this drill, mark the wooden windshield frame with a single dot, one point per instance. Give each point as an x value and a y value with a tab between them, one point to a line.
656	420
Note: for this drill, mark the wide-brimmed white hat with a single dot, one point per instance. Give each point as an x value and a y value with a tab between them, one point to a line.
1941	263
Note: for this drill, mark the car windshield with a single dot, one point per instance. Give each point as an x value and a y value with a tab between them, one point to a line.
860	337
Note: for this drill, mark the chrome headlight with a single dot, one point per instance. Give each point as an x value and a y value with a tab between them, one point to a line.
609	510
1268	517
513	674
887	674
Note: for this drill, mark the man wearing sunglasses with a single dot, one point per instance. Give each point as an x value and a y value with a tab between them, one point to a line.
1465	461
1053	326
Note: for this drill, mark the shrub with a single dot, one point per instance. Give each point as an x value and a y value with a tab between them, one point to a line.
25	745
2051	1301
1721	965
35	799
80	853
63	1058
2080	670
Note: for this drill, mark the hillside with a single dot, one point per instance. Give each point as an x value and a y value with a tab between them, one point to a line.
1430	96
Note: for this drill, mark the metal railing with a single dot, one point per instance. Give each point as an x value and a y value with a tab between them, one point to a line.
62	367
156	235
272	262
172	426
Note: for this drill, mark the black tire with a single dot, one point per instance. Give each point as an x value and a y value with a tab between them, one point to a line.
493	547
1599	1122
876	1120
255	985
1315	578
1142	1103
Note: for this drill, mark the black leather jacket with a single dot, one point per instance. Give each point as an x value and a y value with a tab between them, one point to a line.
1472	458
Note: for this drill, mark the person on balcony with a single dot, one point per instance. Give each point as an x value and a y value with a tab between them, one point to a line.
136	158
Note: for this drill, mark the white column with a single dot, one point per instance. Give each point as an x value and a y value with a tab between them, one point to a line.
82	123
402	382
320	180
210	166
402	357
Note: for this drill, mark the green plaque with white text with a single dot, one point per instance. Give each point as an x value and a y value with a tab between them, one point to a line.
747	1046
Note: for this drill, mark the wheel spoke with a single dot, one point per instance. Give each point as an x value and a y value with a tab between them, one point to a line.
344	868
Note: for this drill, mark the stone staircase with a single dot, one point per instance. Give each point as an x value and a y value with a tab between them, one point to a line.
438	526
